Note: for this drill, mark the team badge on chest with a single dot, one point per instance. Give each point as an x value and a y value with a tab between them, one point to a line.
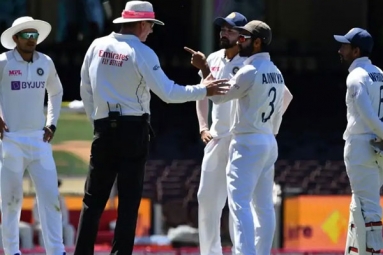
40	71
235	70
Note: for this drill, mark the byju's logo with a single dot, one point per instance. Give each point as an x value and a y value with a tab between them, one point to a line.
15	85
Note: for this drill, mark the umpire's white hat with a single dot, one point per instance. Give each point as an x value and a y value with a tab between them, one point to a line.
137	11
22	23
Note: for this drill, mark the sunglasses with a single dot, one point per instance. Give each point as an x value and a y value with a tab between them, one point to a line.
243	38
29	35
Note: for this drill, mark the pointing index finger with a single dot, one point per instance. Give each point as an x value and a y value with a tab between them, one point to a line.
189	50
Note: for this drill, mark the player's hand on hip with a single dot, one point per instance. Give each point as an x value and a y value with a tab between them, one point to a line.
3	128
48	134
216	87
206	136
198	59
377	145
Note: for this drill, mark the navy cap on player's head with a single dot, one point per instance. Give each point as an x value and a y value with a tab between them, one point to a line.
357	37
233	19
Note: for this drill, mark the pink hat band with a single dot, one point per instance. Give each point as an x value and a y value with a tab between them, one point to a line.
137	15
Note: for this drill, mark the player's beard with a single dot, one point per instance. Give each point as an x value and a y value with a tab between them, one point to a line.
345	61
226	44
245	51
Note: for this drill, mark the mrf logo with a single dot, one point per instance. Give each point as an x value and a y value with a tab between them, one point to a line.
18	85
14	72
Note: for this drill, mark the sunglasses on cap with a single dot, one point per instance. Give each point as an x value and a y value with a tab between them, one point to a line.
28	35
243	38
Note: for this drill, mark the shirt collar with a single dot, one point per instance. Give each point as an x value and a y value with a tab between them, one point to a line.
223	56
359	62
19	58
124	36
261	56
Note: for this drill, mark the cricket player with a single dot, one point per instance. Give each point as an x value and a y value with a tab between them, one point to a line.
212	193
364	167
25	132
213	175
258	89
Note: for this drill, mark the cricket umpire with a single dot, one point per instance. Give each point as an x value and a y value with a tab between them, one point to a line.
117	75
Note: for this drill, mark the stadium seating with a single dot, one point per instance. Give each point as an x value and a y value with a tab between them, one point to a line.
179	179
174	183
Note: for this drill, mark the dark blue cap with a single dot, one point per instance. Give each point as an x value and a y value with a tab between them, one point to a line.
357	37
234	19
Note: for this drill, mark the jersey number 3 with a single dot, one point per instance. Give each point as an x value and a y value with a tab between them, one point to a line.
271	104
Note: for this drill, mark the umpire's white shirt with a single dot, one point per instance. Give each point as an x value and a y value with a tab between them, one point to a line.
364	99
222	68
121	69
259	87
22	91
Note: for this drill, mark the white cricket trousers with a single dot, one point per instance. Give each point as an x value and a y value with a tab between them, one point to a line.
212	195
29	151
250	176
364	170
26	236
68	235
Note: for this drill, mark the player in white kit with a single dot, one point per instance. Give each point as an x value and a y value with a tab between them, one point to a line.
258	89
25	132
212	192
364	100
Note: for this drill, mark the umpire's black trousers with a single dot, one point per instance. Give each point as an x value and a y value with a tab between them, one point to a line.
119	149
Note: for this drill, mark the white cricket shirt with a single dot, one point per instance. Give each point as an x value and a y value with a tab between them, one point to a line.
22	91
364	99
259	88
121	69
222	68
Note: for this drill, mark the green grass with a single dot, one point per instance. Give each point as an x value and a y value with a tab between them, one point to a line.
69	164
73	126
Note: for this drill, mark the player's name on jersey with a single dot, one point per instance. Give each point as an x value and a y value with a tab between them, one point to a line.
376	77
268	78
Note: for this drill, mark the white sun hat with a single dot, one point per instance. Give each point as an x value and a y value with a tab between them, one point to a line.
137	11
26	22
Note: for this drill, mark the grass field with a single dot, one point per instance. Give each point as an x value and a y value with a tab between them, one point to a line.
71	144
69	165
73	126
